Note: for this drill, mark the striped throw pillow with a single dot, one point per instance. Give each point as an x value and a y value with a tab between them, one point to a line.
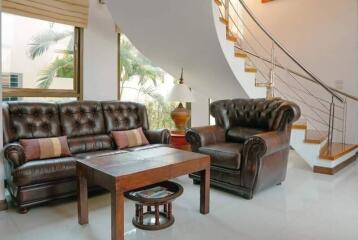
129	138
44	148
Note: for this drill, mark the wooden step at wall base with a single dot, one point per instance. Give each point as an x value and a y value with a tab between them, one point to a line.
315	136
334	170
336	150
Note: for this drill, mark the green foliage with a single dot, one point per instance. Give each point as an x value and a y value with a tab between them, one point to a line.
133	63
63	66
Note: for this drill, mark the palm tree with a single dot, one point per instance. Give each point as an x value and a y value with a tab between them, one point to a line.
62	66
133	63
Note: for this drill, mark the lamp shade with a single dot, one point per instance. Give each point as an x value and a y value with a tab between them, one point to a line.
180	93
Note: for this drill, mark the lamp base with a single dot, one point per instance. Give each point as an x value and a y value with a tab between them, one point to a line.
180	116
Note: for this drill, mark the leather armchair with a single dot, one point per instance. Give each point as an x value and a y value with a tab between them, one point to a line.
249	144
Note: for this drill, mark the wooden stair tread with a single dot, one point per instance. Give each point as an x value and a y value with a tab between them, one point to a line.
218	2
250	69
315	136
262	84
231	37
240	54
299	125
336	150
223	20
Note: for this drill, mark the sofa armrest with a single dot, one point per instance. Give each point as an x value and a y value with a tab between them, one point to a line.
161	136
265	159
203	136
14	153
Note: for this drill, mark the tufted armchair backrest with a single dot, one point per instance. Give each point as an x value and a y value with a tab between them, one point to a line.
124	115
30	120
251	113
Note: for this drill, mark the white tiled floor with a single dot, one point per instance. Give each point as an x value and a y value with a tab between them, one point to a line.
306	206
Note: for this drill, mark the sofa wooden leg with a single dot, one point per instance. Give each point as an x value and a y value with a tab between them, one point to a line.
278	184
23	210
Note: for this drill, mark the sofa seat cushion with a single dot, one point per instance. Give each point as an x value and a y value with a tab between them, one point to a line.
241	134
227	155
44	171
88	155
149	146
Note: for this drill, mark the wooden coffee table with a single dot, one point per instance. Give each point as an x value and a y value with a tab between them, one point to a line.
127	171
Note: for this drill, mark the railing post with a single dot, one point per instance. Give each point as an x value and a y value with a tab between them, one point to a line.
270	88
331	122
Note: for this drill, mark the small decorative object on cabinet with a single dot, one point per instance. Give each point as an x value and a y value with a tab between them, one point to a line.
178	141
180	93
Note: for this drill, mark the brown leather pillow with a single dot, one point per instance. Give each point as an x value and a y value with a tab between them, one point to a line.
129	138
44	148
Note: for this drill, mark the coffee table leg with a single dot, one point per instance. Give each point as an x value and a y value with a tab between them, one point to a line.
82	197
117	199
205	191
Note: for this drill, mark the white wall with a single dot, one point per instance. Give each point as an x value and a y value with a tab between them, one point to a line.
100	61
323	35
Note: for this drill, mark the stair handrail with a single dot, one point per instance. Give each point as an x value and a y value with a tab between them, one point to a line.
288	53
355	98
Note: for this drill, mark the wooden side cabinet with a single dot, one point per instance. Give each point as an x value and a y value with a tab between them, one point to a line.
178	141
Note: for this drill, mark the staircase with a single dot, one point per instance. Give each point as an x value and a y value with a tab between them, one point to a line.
319	137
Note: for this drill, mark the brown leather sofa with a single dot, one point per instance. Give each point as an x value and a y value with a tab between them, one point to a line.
87	124
249	144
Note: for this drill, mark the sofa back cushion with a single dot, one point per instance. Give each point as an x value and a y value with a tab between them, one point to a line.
260	114
120	116
81	118
24	120
90	143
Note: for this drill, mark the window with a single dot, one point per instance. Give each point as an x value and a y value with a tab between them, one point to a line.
40	59
142	82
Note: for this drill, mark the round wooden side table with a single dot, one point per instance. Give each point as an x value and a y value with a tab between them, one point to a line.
155	213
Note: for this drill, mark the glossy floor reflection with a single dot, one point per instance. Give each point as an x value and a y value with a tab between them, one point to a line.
306	206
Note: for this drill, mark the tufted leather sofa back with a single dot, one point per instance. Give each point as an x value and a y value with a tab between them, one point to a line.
251	113
124	115
30	120
87	124
82	118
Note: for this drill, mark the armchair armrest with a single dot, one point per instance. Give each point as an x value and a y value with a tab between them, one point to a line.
265	159
203	136
267	143
14	153
158	136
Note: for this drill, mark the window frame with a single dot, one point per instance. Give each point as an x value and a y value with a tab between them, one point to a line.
77	92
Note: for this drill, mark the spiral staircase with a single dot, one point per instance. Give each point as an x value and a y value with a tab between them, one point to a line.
320	135
227	52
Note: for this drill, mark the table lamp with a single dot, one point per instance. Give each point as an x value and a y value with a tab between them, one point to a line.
180	93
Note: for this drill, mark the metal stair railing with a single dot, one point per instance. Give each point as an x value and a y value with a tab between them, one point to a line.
301	86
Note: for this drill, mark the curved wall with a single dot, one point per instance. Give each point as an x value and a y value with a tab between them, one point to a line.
175	34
